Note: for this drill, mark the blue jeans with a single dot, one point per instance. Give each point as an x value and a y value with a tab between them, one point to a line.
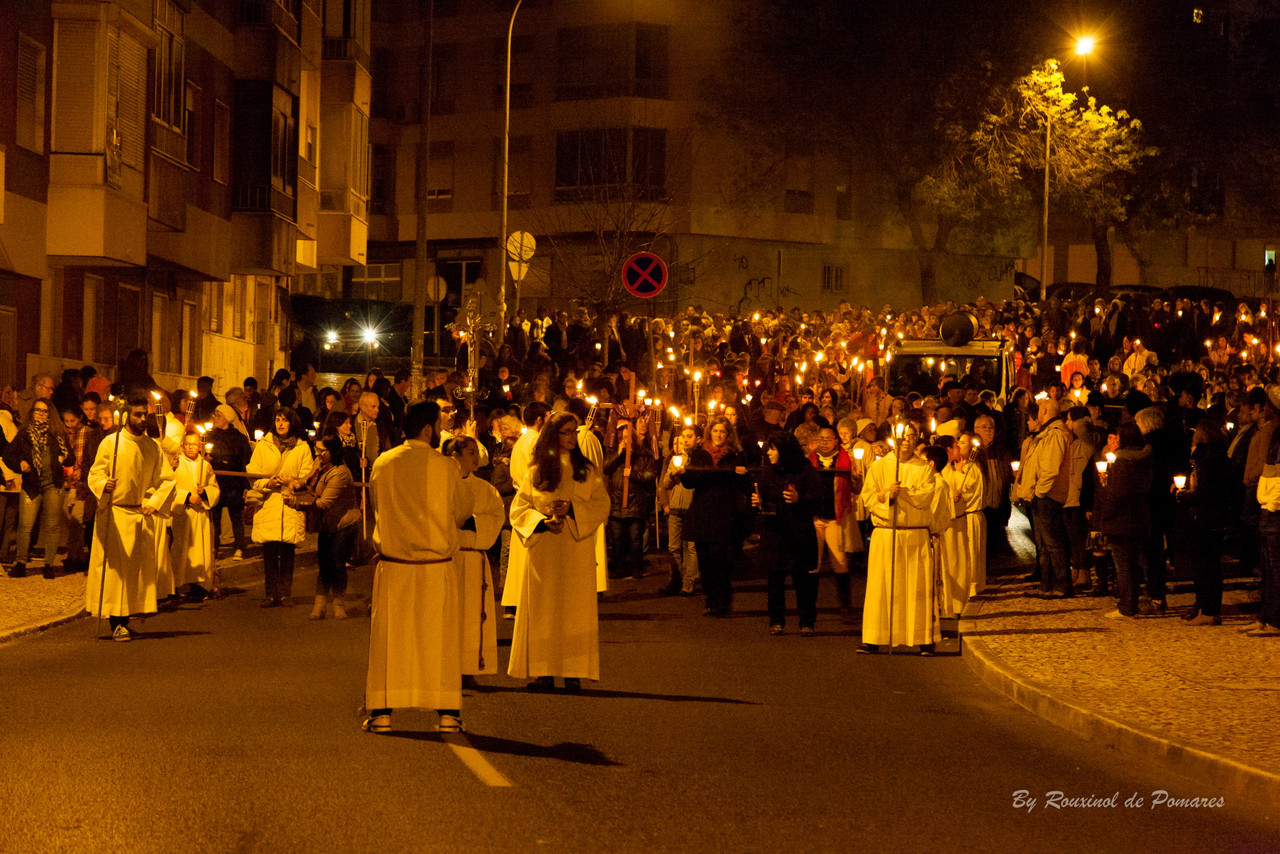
625	538
1052	546
50	502
1269	529
1130	556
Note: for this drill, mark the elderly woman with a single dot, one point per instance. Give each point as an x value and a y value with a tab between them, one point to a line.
281	464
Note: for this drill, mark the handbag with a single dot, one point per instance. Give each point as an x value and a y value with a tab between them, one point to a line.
254	496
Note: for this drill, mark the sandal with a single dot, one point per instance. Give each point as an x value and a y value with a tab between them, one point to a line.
448	723
377	723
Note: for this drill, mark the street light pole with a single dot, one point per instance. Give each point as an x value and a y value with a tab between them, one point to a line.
1044	223
502	233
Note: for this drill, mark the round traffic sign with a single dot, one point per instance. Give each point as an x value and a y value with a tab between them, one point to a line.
644	275
521	246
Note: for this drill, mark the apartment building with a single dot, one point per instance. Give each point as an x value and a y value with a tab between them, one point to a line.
163	178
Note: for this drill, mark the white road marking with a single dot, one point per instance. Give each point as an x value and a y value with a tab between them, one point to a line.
475	761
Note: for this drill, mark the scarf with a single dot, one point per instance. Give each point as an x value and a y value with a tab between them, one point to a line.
39	434
285	445
840	461
717	453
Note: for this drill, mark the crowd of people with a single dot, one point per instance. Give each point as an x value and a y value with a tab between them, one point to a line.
1133	436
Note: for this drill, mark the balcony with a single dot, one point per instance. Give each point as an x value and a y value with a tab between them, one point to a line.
263	198
93	220
345	49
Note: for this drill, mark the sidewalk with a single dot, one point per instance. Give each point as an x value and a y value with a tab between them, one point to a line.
1203	700
34	603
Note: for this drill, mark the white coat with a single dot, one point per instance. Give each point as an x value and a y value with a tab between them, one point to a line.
275	522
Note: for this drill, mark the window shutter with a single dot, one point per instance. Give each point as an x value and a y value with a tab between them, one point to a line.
75	52
131	108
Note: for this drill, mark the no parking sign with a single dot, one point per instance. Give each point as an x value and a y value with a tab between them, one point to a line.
644	275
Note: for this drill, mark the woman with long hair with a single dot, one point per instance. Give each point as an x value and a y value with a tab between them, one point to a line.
715	521
37	454
281	463
560	504
479	635
351	391
338	501
788	494
342	425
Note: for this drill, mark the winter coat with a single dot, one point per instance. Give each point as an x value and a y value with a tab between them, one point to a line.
1083	450
274	521
20	451
1046	464
1209	499
337	498
791	522
230	452
1123	507
720	509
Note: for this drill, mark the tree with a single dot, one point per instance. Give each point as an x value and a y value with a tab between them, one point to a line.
1094	153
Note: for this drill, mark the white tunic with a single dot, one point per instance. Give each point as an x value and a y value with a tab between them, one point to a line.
122	560
902	588
479	629
415	637
557	630
163	500
192	551
517	554
964	541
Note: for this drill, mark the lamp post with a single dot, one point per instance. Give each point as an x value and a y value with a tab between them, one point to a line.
506	146
1084	47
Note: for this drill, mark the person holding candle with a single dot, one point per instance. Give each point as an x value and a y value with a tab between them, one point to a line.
1205	499
675	499
789	492
1122	514
280	465
964	541
195	490
1083	452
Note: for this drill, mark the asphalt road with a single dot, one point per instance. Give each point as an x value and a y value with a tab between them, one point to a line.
226	727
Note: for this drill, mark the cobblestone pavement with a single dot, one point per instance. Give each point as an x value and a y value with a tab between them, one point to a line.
34	603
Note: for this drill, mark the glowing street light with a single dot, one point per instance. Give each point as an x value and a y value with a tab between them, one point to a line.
1085	45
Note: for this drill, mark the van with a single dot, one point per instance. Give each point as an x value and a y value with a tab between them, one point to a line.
920	365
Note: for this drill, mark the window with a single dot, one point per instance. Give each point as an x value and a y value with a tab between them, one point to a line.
440	177
378	282
832	279
239	308
588	161
31	81
519	172
284	141
611	61
799	195
444	79
168	92
90	311
382	180
221	141
192	123
215	297
309	144
524	65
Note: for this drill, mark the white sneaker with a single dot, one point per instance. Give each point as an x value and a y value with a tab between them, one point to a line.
121	634
237	555
1116	615
378	723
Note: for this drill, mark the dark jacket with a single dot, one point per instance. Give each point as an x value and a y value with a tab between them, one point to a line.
721	500
1210	500
643	483
230	452
20	451
1123	508
792	523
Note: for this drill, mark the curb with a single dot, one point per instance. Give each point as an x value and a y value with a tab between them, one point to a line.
1234	778
244	573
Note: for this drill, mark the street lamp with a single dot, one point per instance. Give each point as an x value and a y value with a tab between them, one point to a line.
506	147
1084	47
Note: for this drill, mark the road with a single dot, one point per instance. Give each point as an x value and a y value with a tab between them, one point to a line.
226	727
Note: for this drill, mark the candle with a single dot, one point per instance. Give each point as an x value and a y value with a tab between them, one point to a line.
1111	458
1015	465
1101	466
859	453
1180	481
677	460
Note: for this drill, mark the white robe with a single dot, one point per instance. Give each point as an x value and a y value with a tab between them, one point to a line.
122	560
902	593
517	554
415	636
479	627
591	448
557	628
166	584
964	541
192	551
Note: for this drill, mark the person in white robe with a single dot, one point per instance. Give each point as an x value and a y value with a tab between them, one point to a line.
561	503
535	415
415	636
909	504
195	491
479	633
964	542
122	561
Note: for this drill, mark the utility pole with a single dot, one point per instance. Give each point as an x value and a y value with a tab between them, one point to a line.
423	270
